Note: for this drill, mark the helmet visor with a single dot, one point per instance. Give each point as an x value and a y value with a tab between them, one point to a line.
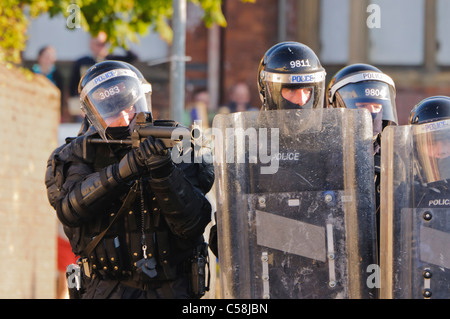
113	99
372	95
297	95
294	91
432	143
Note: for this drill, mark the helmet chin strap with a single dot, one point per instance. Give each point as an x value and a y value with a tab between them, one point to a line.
121	132
118	132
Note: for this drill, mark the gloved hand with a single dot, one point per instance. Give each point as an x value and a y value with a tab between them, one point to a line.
155	156
150	155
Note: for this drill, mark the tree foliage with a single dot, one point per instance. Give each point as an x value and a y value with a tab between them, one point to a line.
14	16
123	20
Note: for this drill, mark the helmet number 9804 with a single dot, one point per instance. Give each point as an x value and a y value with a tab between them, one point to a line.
299	63
375	92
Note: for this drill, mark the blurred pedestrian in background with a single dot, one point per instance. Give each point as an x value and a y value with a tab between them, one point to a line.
46	66
239	99
197	110
99	52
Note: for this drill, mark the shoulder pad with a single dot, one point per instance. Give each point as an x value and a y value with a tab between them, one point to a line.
53	176
78	149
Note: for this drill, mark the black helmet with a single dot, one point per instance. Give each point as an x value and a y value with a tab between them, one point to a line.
284	69
431	138
431	109
110	90
361	84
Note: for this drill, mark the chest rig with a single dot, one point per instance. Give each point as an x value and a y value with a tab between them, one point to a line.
132	241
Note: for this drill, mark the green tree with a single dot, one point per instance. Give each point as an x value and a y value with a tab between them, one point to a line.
123	20
13	25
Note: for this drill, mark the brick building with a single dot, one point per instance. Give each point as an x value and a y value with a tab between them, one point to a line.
408	39
410	43
29	108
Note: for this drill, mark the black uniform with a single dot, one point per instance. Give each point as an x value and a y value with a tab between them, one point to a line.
148	250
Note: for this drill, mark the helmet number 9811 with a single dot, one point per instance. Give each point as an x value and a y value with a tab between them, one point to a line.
299	63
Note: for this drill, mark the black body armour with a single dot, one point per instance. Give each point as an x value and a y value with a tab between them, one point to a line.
150	242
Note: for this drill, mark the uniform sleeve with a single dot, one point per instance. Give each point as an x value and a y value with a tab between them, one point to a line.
85	193
181	196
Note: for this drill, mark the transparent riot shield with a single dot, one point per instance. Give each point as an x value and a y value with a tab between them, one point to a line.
295	203
415	211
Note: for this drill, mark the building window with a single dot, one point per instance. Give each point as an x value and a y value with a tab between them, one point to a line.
442	32
400	38
334	33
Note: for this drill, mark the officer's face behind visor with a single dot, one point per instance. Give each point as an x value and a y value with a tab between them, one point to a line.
114	102
293	91
373	107
124	118
377	97
298	96
433	151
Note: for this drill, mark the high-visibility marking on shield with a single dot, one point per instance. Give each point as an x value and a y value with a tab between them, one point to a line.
290	235
265	274
294	202
426	284
346	198
331	256
435	247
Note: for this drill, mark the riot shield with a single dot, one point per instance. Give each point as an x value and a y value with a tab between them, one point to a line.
415	212
295	203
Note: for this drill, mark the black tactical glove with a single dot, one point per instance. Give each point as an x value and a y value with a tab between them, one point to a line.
150	155
155	156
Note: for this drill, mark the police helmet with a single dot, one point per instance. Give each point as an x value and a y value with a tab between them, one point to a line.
431	109
431	138
290	76
110	90
363	85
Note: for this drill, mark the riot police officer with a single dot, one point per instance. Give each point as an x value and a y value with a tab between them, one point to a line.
415	204
133	216
290	76
365	86
432	153
281	218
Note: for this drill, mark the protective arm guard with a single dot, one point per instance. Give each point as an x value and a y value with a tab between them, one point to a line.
92	195
183	205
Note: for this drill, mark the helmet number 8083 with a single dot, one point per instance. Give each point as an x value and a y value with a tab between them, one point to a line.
299	63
